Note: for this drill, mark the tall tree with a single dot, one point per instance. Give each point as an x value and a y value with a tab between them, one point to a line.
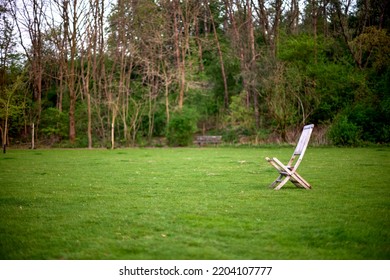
30	18
179	49
269	16
7	43
11	105
71	19
220	56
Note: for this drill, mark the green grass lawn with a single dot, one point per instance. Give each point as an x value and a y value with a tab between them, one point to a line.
193	203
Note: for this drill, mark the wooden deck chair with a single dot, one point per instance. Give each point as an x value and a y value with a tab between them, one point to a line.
289	172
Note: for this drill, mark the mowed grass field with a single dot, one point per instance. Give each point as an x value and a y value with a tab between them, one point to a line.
193	203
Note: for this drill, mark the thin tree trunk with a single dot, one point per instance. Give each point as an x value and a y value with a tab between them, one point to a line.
180	55
72	77
113	117
200	48
252	65
89	120
236	38
167	101
225	86
5	131
167	83
314	13
33	136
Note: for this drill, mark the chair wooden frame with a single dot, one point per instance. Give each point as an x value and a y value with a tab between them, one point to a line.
289	172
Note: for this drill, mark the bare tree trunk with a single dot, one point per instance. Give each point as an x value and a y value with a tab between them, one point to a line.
33	136
72	76
98	63
85	77
262	14
5	130
60	43
325	17
315	14
36	40
342	17
167	101
179	50
237	40
151	114
225	86
200	48
60	93
276	24
252	64
167	82
113	117
294	14
31	17
89	131
270	22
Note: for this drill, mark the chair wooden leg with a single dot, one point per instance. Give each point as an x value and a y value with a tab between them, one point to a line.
282	183
301	185
272	185
302	182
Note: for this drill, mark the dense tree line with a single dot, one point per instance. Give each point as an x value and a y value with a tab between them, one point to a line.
94	73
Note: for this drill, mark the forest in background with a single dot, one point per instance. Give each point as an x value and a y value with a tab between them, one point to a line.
99	73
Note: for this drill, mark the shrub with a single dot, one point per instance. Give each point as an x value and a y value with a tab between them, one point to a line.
240	116
229	135
181	128
54	124
343	132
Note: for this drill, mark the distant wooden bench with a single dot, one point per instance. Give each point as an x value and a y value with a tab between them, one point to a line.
208	139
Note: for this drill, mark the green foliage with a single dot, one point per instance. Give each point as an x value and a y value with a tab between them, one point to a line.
240	115
160	122
385	118
338	86
328	84
54	124
287	102
365	116
239	120
372	49
12	105
297	49
181	127
202	99
344	133
232	72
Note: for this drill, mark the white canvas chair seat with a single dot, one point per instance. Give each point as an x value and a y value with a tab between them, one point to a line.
289	172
